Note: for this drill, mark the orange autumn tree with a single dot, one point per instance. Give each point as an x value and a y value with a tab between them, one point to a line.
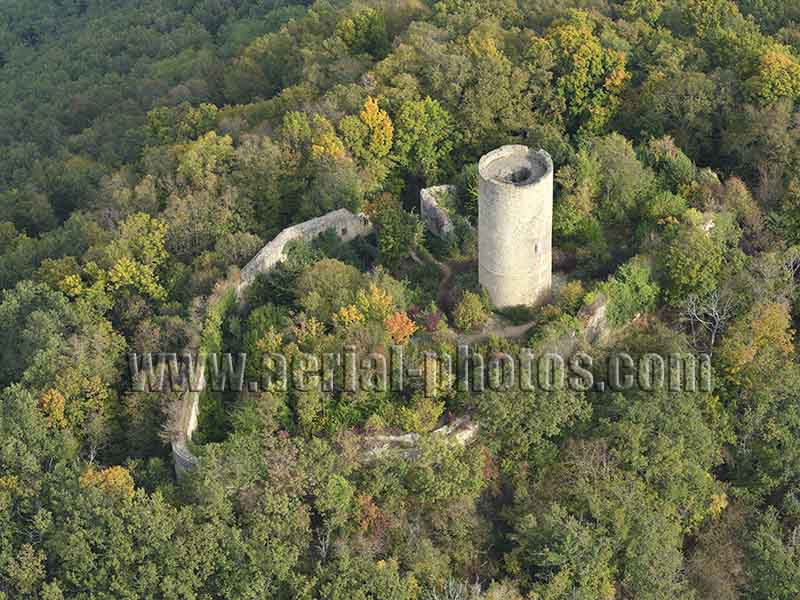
400	327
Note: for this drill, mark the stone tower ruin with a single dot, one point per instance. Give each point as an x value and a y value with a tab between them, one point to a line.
515	219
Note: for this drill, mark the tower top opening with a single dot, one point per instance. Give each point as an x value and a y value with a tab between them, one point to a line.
515	165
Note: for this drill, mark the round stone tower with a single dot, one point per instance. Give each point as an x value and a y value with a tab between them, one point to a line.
515	223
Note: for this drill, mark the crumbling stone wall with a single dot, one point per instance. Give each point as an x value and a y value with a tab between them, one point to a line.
187	414
515	222
435	217
515	259
461	430
347	227
345	224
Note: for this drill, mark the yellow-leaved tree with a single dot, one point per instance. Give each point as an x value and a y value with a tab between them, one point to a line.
369	137
136	256
758	344
777	76
115	481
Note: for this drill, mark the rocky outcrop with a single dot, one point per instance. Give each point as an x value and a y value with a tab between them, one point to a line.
594	320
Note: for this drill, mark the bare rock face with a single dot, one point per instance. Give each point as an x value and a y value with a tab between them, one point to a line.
460	431
515	218
594	320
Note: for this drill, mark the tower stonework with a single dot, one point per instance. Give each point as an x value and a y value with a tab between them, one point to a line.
515	224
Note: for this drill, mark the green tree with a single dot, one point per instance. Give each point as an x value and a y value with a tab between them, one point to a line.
365	32
519	438
560	557
495	103
692	262
204	159
369	135
777	77
674	168
30	211
775	564
425	132
135	257
631	291
399	233
471	312
327	286
444	470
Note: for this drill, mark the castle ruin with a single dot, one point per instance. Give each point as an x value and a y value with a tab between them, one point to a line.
515	214
515	217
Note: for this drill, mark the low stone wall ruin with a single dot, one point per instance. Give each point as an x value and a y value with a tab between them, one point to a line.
345	224
435	217
347	227
461	430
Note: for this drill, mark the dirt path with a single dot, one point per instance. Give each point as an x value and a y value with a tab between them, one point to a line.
446	301
444	295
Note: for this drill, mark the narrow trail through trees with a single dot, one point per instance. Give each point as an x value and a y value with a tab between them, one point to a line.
446	301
